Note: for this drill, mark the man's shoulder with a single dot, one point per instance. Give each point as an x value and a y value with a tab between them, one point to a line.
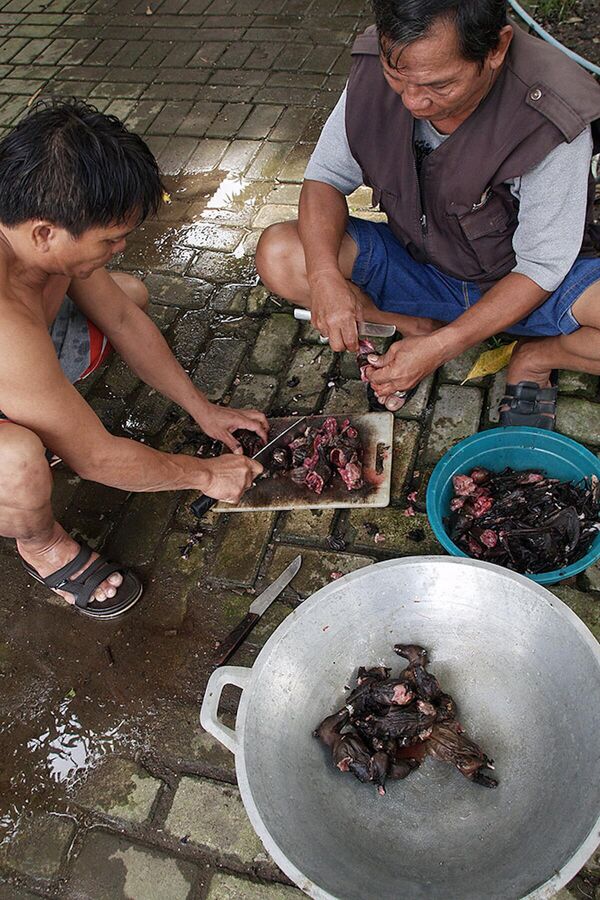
367	43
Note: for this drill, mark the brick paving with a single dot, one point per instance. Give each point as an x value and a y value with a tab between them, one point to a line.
231	96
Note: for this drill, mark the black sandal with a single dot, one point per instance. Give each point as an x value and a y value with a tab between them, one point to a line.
530	405
82	587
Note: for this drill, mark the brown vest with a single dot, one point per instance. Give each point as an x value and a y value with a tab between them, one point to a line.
458	215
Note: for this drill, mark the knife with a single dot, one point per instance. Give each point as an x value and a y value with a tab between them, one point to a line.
204	503
365	329
257	608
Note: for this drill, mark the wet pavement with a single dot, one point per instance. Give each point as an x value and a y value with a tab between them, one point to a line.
108	786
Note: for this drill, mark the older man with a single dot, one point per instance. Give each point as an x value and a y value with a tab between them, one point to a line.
476	140
73	185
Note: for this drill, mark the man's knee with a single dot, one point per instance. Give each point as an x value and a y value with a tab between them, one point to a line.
21	452
276	252
135	289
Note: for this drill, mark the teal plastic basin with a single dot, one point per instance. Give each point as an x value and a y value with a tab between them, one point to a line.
519	448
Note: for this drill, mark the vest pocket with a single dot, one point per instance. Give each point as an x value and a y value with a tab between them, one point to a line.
489	231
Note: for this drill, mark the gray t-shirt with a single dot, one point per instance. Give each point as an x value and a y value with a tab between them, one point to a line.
552	196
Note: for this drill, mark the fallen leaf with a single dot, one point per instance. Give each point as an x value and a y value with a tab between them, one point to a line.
491	361
166	197
149	10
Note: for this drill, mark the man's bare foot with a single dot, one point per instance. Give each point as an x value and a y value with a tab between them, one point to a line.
51	555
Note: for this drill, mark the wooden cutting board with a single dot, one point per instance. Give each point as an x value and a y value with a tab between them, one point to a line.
280	492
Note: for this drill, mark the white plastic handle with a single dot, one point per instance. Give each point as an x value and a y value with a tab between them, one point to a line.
209	719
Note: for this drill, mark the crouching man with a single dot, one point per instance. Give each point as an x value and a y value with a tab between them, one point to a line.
73	185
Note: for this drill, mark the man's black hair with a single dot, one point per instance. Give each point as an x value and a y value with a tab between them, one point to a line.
71	165
478	23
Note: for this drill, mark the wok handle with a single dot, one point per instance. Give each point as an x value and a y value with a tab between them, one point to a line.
209	713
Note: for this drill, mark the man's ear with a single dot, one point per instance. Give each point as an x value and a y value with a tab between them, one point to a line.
42	235
496	56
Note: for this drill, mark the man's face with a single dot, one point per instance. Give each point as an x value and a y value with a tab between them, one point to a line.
434	81
79	257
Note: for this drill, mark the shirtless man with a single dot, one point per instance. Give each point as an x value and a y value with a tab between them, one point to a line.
73	185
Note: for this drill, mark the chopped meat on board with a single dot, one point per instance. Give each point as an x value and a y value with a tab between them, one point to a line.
318	455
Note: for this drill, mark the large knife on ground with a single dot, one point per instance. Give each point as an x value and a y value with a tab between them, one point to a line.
365	329
204	503
257	608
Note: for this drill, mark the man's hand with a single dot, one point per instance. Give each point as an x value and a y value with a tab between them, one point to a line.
229	476
406	363
335	310
219	422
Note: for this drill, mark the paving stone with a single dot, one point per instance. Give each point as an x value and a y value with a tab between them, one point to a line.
269	160
406	441
254	392
109	867
579	419
455	416
274	343
119	378
350	398
306	525
242	548
162	316
586	606
10	892
578	383
404	535
417	405
311	365
590	578
230	887
271	214
212	815
495	395
119	788
211	237
260	122
186	293
217	367
149	413
190	336
141	527
457	369
39	846
317	567
222	268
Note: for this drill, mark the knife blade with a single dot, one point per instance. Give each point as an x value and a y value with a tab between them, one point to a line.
257	608
204	503
365	329
276	440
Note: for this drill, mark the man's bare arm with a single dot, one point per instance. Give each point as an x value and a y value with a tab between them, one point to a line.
36	394
136	338
406	363
322	220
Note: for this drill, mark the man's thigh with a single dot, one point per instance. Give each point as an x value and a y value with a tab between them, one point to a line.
397	283
569	307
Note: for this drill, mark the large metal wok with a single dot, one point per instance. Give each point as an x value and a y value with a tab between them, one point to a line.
526	674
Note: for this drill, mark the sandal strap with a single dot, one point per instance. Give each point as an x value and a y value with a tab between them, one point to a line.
528	398
85	584
60	578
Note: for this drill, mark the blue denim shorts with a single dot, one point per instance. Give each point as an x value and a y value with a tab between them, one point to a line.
397	283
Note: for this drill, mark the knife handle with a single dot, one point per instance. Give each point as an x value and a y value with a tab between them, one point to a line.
202	505
235	638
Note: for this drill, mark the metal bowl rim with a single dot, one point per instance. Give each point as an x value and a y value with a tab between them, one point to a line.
542	892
